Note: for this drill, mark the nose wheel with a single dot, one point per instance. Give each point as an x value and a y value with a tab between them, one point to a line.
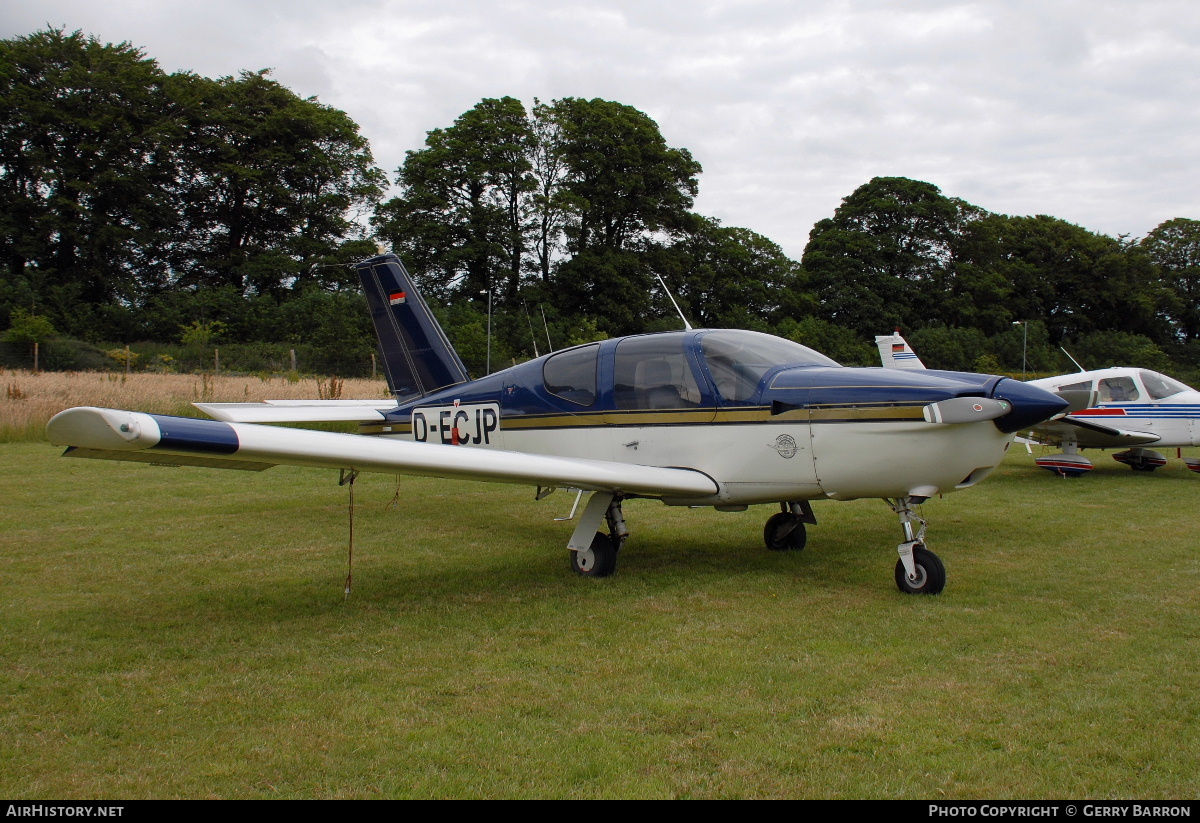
928	577
918	571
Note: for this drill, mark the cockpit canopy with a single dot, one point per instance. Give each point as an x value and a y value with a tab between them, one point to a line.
654	371
1123	388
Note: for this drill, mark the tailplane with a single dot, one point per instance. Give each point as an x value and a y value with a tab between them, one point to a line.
895	353
417	356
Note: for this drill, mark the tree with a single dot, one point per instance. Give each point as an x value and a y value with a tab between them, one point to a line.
1073	280
84	170
1174	246
269	183
32	329
462	217
622	181
728	277
888	245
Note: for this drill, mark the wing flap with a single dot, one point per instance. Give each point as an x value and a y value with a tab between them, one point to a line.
156	459
168	438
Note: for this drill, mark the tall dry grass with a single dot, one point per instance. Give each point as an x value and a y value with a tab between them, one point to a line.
30	399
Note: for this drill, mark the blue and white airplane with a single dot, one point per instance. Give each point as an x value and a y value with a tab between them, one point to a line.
1123	408
696	418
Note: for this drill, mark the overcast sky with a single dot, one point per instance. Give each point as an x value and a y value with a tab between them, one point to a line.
1086	110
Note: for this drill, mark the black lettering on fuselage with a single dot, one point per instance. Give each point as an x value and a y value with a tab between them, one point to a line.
491	421
468	424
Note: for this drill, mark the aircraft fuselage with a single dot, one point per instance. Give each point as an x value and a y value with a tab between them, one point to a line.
796	428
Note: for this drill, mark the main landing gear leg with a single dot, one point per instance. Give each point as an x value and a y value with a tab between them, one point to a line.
594	553
918	571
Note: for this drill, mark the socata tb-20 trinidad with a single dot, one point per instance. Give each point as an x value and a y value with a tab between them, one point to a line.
714	417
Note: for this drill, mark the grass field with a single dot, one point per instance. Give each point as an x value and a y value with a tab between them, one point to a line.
183	633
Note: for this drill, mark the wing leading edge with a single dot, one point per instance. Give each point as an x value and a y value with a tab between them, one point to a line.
114	434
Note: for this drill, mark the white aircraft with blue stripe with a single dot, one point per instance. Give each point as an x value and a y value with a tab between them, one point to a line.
708	417
1125	408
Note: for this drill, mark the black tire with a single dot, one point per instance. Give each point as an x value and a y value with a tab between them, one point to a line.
1142	467
784	532
931	574
598	561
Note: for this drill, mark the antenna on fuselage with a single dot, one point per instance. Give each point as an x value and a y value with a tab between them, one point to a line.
686	325
532	336
1072	359
546	326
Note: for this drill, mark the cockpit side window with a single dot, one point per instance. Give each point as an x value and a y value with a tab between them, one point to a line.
652	372
571	375
1159	386
1086	385
1118	390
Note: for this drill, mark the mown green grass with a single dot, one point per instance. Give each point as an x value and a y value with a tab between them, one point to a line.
183	633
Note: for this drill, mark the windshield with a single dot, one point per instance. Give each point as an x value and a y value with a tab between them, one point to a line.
737	360
1159	386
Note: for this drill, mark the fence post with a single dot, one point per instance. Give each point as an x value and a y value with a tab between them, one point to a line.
292	352
372	365
126	361
216	361
35	357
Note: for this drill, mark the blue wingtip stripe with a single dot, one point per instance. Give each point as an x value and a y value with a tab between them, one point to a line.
192	435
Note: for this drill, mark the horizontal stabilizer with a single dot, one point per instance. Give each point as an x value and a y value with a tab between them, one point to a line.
299	411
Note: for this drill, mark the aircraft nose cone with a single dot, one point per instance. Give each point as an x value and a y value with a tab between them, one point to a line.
1031	405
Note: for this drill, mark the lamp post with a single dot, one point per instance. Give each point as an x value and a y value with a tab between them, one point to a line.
1024	324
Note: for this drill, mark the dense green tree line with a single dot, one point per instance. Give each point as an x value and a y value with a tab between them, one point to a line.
135	203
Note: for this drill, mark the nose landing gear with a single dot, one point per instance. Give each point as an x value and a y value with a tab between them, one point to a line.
918	571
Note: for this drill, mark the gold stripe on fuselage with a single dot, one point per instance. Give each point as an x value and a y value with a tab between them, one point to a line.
860	413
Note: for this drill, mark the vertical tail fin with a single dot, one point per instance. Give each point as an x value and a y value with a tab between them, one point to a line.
895	353
417	356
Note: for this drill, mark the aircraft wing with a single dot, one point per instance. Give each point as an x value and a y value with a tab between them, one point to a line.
1089	435
299	411
112	434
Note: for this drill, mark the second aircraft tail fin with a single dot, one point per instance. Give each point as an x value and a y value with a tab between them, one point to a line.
895	353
